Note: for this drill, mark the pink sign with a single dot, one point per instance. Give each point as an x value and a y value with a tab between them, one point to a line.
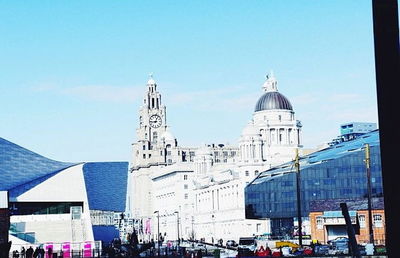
148	226
66	248
87	249
49	250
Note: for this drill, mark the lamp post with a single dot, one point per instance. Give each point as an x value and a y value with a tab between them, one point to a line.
177	226
158	232
298	182
367	165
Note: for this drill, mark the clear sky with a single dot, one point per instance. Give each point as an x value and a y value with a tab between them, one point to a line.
73	73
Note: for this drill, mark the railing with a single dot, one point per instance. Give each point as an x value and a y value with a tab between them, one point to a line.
39	217
75	249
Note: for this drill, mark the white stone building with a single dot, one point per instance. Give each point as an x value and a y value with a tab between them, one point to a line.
203	186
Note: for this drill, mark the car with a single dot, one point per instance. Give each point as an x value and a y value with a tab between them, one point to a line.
340	245
231	243
322	249
247	243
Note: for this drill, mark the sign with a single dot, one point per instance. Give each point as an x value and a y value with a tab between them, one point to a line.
369	249
49	250
4	217
3	199
87	249
66	248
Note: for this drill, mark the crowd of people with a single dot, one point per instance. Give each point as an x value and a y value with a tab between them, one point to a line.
39	252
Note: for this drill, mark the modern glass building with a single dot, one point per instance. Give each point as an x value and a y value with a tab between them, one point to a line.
338	171
53	201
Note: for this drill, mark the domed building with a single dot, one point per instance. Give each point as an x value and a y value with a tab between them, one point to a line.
204	186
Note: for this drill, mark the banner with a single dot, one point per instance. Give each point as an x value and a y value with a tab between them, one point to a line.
87	249
148	226
66	249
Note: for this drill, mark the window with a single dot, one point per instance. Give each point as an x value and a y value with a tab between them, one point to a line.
320	222
185	177
247	173
287	183
256	172
186	196
168	153
144	156
185	186
155	136
378	223
144	147
361	219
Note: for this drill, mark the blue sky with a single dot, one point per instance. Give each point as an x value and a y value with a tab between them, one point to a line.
73	73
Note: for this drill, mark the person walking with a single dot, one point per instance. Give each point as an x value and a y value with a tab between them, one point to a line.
29	252
22	252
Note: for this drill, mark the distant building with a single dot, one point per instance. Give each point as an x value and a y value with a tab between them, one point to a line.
352	130
205	184
338	171
327	221
52	201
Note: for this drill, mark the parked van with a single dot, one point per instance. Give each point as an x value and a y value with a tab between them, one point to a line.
248	243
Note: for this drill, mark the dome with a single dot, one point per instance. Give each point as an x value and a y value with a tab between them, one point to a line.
273	100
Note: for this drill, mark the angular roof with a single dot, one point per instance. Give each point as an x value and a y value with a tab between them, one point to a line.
21	167
106	185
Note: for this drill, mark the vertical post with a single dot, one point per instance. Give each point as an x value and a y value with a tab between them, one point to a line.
298	182
387	69
177	226
368	170
158	232
350	231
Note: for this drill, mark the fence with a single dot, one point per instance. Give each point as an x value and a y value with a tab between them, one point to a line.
52	250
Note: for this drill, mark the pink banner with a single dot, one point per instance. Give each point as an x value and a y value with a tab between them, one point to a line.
49	250
148	226
66	248
87	249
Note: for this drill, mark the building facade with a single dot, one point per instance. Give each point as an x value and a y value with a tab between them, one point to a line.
327	221
200	190
59	202
338	171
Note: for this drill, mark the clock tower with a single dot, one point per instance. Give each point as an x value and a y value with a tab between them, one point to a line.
152	126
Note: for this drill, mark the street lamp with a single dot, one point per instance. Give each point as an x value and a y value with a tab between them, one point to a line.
298	183
158	232
368	170
177	226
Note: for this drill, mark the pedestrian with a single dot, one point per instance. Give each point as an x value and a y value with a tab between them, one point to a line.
36	252
50	252
41	252
199	254
29	252
22	252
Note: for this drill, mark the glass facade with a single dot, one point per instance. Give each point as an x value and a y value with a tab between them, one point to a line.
336	172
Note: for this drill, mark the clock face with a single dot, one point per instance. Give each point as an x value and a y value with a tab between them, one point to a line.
155	121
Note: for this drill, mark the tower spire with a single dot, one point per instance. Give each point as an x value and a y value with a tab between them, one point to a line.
151	81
